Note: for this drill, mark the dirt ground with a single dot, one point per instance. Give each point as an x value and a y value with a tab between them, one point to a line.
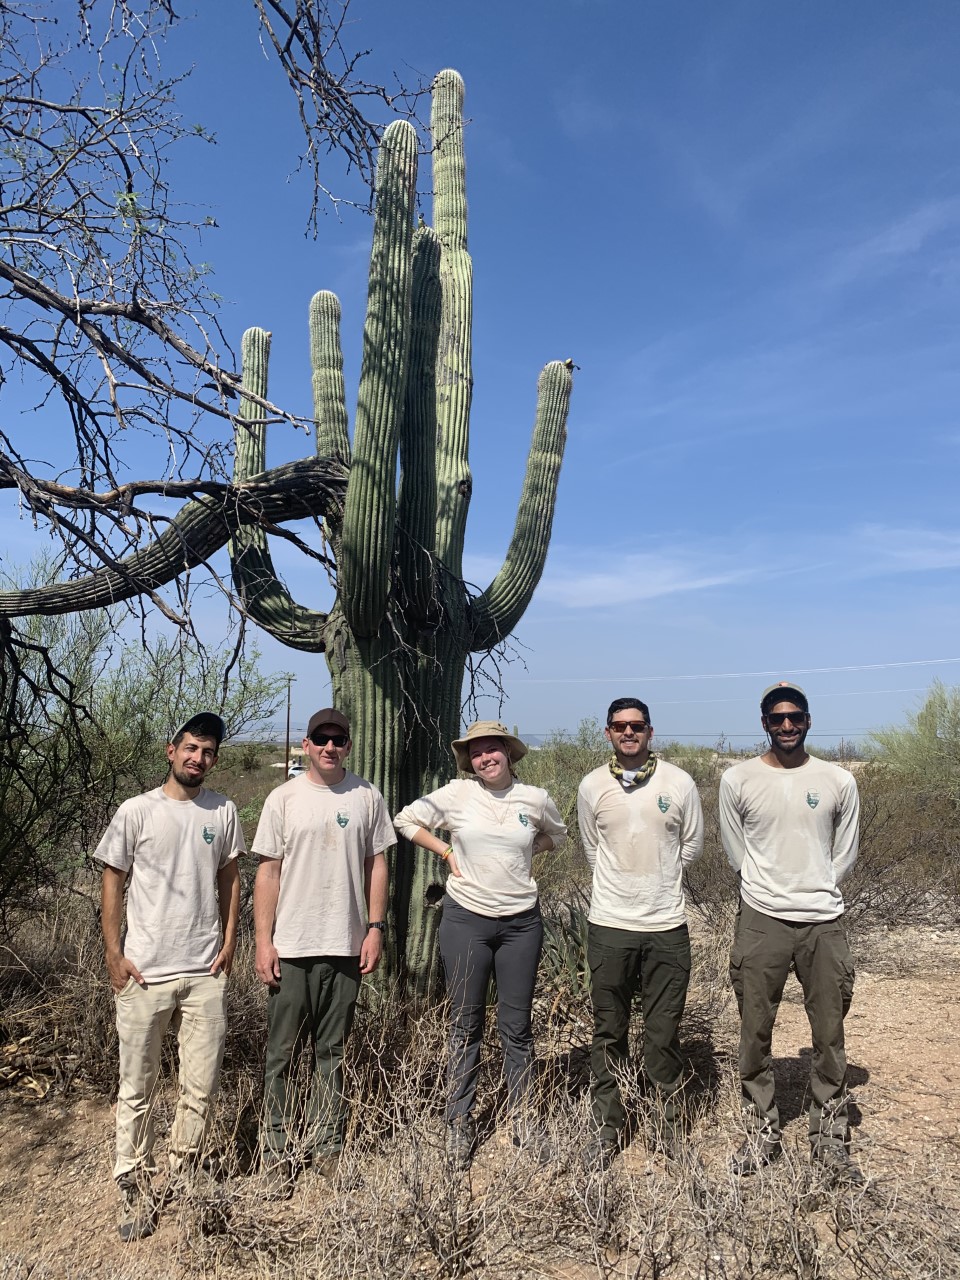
58	1204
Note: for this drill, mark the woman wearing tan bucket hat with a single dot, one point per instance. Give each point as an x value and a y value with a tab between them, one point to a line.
491	918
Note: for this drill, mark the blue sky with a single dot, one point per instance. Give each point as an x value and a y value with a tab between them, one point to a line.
742	221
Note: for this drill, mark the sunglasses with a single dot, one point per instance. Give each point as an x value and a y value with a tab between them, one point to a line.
321	739
621	726
776	718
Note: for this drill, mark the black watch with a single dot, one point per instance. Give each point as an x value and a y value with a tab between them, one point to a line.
377	924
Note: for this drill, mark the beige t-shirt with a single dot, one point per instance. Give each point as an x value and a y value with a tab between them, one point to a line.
492	834
173	850
637	841
792	834
324	836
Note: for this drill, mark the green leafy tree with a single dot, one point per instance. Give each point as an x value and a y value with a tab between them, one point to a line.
85	719
926	749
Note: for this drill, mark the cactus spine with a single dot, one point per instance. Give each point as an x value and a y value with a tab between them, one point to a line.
403	622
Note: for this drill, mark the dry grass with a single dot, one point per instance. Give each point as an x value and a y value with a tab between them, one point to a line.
399	1210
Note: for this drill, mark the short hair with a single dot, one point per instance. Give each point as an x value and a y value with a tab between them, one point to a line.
203	725
621	704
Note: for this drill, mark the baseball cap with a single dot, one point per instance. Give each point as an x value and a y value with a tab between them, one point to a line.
204	724
784	691
328	715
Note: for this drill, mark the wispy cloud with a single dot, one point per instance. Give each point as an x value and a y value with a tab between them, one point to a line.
902	238
888	549
604	576
629	578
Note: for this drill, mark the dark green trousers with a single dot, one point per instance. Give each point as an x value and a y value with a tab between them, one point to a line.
623	961
764	947
312	1008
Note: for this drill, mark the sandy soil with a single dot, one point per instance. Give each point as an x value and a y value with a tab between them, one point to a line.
58	1204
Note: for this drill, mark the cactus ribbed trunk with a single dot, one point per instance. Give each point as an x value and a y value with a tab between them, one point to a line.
403	623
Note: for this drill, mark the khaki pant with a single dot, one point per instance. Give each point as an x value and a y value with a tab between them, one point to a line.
196	1007
764	947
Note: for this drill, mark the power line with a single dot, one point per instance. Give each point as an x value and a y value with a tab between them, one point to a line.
740	675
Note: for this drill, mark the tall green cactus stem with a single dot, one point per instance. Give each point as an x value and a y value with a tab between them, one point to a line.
455	358
404	623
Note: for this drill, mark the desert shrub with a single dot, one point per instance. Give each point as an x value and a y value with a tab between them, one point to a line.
926	750
86	717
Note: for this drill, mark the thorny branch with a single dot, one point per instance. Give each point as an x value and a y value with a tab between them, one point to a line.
107	316
307	37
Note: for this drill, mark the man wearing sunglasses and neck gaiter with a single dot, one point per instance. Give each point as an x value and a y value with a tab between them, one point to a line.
790	828
641	823
319	908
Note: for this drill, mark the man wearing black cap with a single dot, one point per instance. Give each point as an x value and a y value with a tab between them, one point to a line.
319	908
790	828
175	849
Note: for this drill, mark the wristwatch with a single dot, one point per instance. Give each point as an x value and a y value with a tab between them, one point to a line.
377	924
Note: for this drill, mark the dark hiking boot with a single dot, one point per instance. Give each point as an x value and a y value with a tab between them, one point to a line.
532	1137
838	1165
665	1137
461	1142
753	1155
138	1209
600	1153
278	1178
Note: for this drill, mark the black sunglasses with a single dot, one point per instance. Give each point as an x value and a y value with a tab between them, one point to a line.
621	726
776	718
321	739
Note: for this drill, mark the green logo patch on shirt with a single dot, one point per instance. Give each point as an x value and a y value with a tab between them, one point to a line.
342	818
663	802
524	819
813	799
208	834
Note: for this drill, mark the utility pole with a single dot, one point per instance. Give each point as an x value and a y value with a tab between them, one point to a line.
286	754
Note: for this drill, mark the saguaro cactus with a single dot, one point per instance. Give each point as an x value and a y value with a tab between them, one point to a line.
403	622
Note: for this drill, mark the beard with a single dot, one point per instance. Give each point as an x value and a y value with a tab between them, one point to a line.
188	780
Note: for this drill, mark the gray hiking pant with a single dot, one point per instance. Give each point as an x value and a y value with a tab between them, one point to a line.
764	947
472	947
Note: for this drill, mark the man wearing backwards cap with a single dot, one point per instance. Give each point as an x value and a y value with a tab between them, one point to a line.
175	848
790	828
319	909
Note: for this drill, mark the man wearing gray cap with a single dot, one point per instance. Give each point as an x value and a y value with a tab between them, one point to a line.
790	829
319	909
174	850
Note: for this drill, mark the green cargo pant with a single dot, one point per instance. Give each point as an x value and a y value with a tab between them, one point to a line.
621	960
764	947
313	1006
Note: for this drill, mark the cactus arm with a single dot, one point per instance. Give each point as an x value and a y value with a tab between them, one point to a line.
366	547
329	393
264	597
497	611
417	502
200	528
454	363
